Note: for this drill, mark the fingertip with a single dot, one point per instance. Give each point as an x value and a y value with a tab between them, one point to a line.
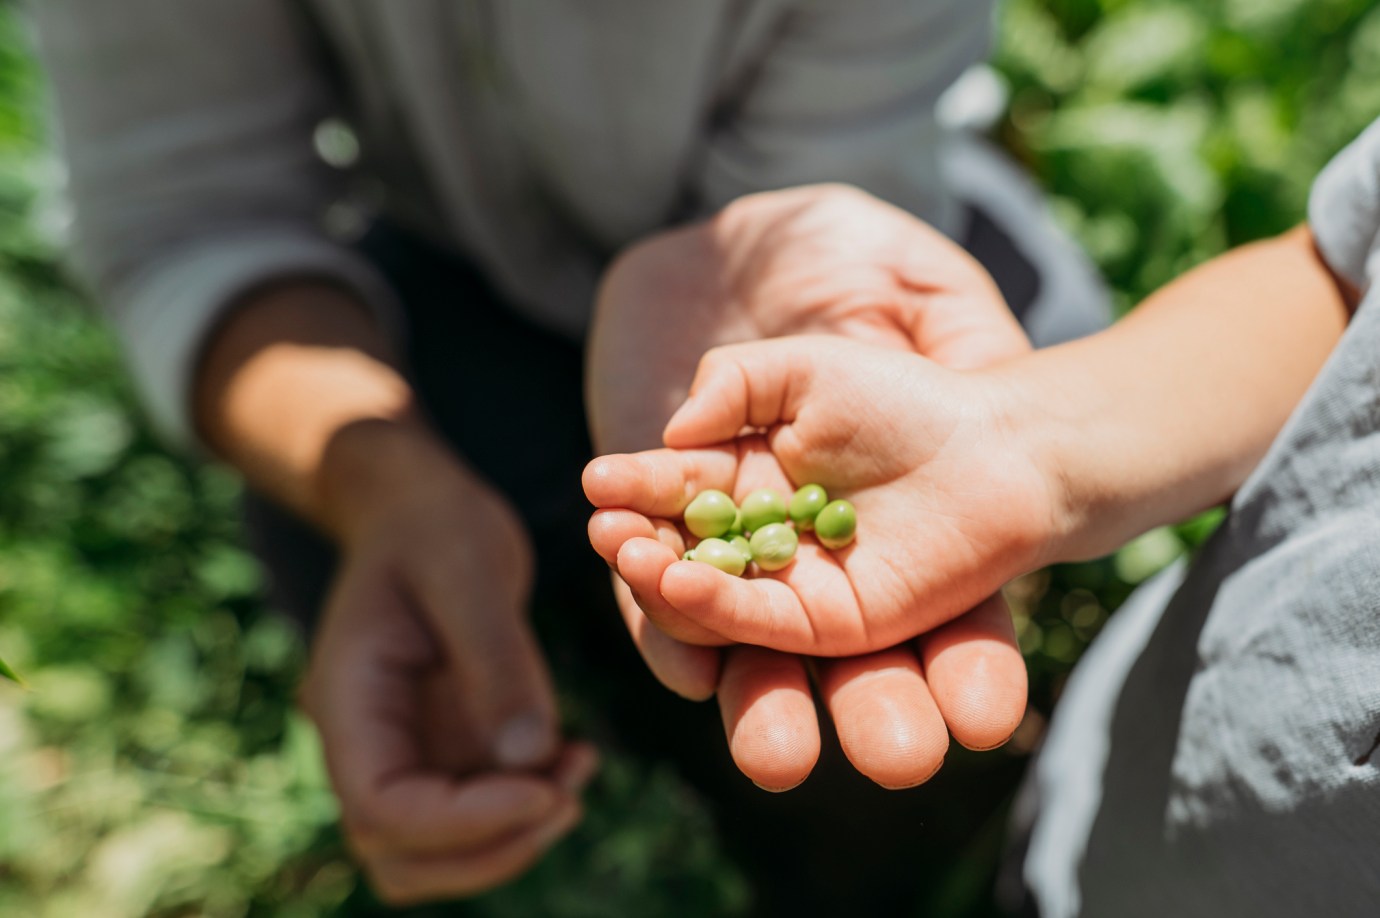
887	722
982	693
776	743
601	480
978	676
609	529
694	588
769	717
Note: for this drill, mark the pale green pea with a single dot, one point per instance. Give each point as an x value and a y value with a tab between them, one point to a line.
689	555
710	514
836	524
720	554
742	545
762	508
773	546
737	528
806	504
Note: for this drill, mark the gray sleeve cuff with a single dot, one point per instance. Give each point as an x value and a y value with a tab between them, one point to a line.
164	313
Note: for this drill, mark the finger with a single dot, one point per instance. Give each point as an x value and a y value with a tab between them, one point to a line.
764	610
642	563
769	717
740	386
976	672
412	880
367	676
422	812
887	721
503	681
659	482
609	529
690	671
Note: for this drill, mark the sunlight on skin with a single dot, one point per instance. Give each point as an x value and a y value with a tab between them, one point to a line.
887	719
825	259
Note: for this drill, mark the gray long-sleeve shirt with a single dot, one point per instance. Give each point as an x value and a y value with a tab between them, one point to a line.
1217	751
535	137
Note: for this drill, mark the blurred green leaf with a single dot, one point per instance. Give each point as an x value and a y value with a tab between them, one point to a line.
9	673
1149	43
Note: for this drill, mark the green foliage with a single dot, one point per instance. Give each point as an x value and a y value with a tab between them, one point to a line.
155	768
1166	132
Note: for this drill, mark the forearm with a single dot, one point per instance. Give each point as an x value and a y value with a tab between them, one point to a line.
1166	413
289	387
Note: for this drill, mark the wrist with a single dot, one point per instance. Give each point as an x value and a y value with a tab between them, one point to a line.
372	467
1043	419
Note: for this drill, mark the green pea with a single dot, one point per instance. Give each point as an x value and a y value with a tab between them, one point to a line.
720	554
773	546
737	528
689	555
806	504
836	524
742	545
710	514
762	508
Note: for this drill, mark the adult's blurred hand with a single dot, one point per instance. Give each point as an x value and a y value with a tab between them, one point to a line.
436	711
824	259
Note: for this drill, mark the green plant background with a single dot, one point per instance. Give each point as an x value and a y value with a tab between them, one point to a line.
155	766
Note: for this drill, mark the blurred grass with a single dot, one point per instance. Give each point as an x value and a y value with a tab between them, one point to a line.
156	767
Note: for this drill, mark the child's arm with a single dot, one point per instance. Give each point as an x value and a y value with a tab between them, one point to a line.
1167	412
964	480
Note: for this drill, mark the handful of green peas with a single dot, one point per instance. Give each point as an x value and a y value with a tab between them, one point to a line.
732	537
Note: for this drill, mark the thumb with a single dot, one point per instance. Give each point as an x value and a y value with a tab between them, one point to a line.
501	674
739	386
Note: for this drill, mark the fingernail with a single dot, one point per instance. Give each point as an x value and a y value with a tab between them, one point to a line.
524	741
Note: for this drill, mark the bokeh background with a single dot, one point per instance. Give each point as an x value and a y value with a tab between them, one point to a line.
156	766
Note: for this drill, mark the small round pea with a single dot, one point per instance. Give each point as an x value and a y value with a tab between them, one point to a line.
773	546
710	514
762	508
720	554
836	524
806	504
689	555
742	545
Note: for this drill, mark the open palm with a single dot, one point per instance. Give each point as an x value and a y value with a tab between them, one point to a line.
822	259
948	507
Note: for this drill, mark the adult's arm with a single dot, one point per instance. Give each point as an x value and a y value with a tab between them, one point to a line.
187	129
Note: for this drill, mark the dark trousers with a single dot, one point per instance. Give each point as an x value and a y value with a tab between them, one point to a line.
508	397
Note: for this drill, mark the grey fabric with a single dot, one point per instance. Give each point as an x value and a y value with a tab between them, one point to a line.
535	138
1216	753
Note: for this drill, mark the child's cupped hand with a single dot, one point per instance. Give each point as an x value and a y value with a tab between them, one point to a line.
950	500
